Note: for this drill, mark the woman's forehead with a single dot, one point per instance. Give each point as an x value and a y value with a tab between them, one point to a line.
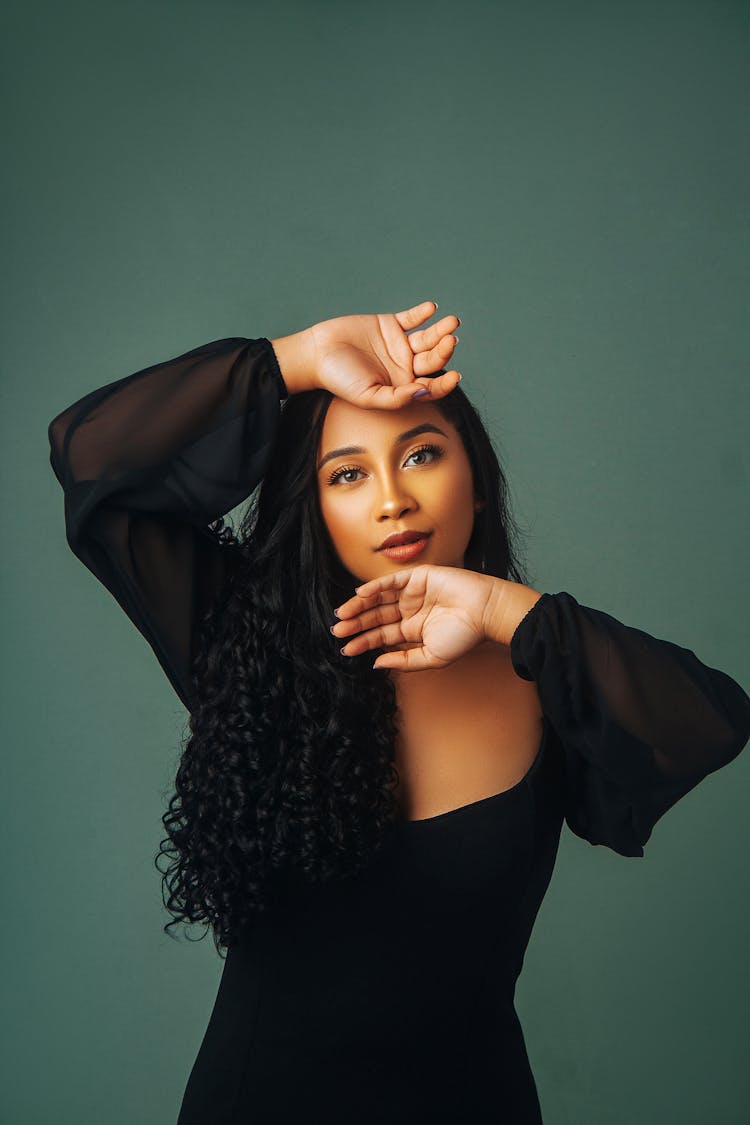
357	423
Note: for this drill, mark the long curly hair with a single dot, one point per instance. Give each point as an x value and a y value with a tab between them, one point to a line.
287	777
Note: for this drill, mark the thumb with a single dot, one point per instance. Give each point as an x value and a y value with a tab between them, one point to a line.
436	386
383	397
403	646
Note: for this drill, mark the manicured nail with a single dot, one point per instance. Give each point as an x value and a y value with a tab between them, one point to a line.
332	628
421	392
343	653
456	338
336	612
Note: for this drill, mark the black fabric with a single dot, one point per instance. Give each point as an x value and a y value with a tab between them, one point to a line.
640	720
147	463
390	997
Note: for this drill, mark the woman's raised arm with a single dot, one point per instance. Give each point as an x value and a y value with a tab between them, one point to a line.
147	463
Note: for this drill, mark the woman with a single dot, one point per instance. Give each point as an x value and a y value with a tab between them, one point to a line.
385	738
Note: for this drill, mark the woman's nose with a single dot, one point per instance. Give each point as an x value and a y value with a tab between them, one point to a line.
394	501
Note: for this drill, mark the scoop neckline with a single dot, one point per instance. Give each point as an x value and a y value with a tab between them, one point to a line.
409	824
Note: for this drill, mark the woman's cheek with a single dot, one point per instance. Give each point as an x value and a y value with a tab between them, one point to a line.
341	521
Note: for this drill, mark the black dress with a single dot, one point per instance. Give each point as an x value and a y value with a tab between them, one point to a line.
389	998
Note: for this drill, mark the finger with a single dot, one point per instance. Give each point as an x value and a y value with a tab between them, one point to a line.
440	385
374	638
418	314
426	362
376	586
437	387
380	615
402	647
359	606
382	397
411	660
378	591
427	338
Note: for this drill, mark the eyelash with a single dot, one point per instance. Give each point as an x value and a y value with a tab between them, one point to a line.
436	449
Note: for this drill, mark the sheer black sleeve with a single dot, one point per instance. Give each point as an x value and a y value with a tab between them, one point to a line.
640	720
147	463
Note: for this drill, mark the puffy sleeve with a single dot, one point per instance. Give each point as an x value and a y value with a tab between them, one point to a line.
147	463
640	720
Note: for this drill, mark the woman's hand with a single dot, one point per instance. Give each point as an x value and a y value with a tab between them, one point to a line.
373	361
438	612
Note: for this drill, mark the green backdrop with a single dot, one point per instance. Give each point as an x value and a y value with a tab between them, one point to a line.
571	180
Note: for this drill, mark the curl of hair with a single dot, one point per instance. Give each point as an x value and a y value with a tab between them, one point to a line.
287	778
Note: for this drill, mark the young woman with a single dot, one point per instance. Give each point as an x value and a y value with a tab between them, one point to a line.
388	726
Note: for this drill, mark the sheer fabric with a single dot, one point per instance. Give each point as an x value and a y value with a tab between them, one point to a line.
147	463
641	720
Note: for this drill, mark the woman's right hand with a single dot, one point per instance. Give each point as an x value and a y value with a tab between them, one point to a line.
371	360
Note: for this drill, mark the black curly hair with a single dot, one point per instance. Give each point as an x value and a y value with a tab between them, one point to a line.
288	774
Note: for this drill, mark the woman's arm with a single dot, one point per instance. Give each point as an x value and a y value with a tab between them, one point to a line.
297	359
146	463
641	720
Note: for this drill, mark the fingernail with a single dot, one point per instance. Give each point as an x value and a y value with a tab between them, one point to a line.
333	627
421	392
343	653
456	338
437	306
336	612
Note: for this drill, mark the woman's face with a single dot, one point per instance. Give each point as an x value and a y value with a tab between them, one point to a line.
377	478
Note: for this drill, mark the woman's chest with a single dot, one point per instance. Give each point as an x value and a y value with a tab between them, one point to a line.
466	732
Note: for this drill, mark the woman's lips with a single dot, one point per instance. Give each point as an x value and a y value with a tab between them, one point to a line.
407	550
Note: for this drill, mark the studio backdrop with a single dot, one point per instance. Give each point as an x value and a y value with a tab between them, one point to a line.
569	179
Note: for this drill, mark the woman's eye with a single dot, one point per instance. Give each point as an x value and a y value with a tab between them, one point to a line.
435	450
343	472
340	473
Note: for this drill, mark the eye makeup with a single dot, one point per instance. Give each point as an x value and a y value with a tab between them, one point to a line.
436	450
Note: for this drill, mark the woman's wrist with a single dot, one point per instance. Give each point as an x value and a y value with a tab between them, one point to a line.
295	355
507	605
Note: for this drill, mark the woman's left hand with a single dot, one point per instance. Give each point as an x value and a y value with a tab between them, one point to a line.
438	613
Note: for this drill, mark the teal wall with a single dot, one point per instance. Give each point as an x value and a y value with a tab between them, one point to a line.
571	180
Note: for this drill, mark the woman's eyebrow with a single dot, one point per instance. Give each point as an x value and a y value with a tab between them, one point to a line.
349	450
